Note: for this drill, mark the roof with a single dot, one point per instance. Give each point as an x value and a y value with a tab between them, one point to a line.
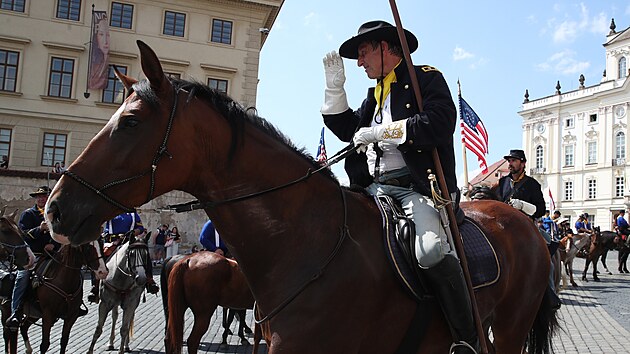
495	171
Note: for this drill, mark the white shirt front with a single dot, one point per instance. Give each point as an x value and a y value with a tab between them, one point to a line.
392	159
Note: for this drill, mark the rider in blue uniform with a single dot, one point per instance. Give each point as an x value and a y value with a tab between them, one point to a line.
115	232
38	238
210	240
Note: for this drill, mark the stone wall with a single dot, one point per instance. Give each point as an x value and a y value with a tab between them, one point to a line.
15	187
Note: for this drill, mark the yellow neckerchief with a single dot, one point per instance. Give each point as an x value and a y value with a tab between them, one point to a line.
385	86
41	211
519	178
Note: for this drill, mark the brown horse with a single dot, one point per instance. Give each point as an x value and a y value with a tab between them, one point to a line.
201	282
59	294
311	250
13	249
601	243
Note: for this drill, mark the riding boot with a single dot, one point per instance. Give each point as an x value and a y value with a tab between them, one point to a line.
93	297
451	291
151	286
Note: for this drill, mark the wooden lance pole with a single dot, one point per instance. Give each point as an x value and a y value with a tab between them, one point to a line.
459	247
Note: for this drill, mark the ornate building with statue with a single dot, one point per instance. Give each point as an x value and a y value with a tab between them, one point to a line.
48	113
577	141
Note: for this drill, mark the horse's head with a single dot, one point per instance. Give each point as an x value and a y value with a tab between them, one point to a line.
94	259
12	245
136	259
138	155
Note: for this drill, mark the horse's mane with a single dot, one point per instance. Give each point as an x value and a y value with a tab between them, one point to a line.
232	111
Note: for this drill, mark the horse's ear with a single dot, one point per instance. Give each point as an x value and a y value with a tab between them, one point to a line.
151	65
14	214
127	81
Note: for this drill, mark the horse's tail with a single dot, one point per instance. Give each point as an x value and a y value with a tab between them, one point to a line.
544	328
174	339
164	289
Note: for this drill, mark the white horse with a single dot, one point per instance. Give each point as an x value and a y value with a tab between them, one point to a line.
123	287
568	250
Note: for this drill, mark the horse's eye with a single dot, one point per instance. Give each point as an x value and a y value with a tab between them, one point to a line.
130	122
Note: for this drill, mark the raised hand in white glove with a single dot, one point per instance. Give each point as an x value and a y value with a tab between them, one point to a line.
525	207
333	68
394	133
335	100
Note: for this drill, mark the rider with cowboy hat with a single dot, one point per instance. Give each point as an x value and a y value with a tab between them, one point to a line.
396	141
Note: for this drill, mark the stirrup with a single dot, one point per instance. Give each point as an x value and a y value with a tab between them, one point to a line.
464	345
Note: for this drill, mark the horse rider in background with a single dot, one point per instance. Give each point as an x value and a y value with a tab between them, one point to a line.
211	241
395	141
38	238
115	232
622	226
525	194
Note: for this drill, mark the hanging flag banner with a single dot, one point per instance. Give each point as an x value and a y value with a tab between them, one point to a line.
99	61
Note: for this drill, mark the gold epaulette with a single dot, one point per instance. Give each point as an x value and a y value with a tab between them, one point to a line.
428	68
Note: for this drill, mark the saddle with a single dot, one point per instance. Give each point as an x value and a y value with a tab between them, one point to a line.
399	240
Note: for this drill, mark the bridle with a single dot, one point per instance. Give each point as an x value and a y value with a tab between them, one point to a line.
11	248
162	150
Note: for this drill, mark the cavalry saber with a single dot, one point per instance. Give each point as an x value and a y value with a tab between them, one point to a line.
455	235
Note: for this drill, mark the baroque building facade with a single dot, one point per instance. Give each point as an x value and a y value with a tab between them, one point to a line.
47	113
577	141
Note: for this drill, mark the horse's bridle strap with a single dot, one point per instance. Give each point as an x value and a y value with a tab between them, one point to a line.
162	150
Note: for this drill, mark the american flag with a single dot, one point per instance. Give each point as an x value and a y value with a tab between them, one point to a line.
474	134
321	150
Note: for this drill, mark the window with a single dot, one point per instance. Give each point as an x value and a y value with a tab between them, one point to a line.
592	118
174	23
122	15
69	9
8	70
539	157
568	123
591	153
173	75
54	149
623	68
592	189
568	155
619	186
61	71
12	5
218	84
5	143
221	31
114	92
568	190
620	145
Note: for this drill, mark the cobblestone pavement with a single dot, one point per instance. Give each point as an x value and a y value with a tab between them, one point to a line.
594	319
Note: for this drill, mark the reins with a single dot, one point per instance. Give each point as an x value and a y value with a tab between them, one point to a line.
344	232
196	204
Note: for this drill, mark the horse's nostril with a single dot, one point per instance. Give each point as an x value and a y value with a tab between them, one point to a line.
53	210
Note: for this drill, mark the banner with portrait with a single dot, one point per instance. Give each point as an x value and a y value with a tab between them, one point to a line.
99	44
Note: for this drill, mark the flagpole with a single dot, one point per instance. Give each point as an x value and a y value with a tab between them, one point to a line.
465	160
441	180
86	94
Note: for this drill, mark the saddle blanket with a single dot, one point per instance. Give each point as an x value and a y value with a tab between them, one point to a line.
483	264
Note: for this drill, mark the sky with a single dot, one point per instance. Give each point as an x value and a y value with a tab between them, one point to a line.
496	49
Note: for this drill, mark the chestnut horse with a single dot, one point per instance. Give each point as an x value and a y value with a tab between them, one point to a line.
59	295
311	250
201	282
13	249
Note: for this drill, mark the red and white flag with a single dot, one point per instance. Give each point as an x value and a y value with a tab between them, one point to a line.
474	133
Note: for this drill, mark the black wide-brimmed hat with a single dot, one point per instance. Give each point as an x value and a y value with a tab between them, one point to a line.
516	154
378	31
40	191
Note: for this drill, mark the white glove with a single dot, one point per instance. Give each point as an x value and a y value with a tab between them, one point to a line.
394	133
335	100
525	207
